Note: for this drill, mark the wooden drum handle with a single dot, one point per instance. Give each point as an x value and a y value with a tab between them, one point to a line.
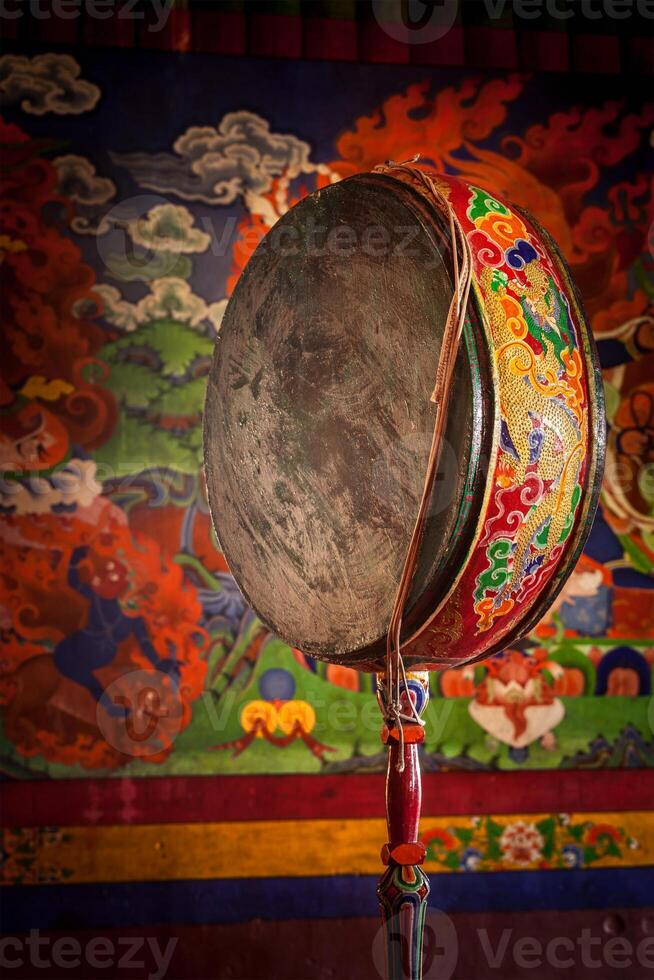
404	887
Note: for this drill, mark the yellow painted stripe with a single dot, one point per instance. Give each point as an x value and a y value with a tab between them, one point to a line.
287	848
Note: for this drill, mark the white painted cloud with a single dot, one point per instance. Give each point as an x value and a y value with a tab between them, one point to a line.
73	484
168	228
239	157
78	181
168	297
46	83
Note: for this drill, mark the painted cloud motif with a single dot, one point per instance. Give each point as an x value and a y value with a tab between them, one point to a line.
78	181
169	297
241	156
46	83
146	238
168	228
74	485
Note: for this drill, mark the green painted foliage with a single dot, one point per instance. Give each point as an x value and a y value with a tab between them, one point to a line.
134	385
158	375
184	399
498	573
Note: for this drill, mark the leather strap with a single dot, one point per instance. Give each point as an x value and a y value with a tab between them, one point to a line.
462	269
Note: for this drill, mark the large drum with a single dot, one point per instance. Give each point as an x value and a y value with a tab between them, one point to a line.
318	423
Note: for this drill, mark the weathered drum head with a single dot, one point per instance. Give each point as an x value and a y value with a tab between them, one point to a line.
318	421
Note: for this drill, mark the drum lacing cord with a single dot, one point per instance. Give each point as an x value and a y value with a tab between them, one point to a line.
396	675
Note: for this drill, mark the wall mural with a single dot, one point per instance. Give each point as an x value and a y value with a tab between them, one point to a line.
127	648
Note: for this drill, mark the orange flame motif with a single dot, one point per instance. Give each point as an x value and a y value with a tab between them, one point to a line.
548	171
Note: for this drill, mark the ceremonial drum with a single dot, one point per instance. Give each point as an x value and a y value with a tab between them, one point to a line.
318	423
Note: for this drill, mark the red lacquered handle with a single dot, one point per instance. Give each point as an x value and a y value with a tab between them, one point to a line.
404	888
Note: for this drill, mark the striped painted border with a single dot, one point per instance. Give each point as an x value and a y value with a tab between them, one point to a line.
136	904
307	848
190	799
347	30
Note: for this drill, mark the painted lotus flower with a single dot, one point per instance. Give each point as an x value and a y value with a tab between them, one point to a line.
521	843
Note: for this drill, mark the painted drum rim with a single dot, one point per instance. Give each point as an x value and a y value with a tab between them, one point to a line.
573	544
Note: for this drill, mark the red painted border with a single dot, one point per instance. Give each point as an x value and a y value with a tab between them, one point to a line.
197	799
261	30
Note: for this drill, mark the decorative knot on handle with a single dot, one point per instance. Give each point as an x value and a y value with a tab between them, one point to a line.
402	708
